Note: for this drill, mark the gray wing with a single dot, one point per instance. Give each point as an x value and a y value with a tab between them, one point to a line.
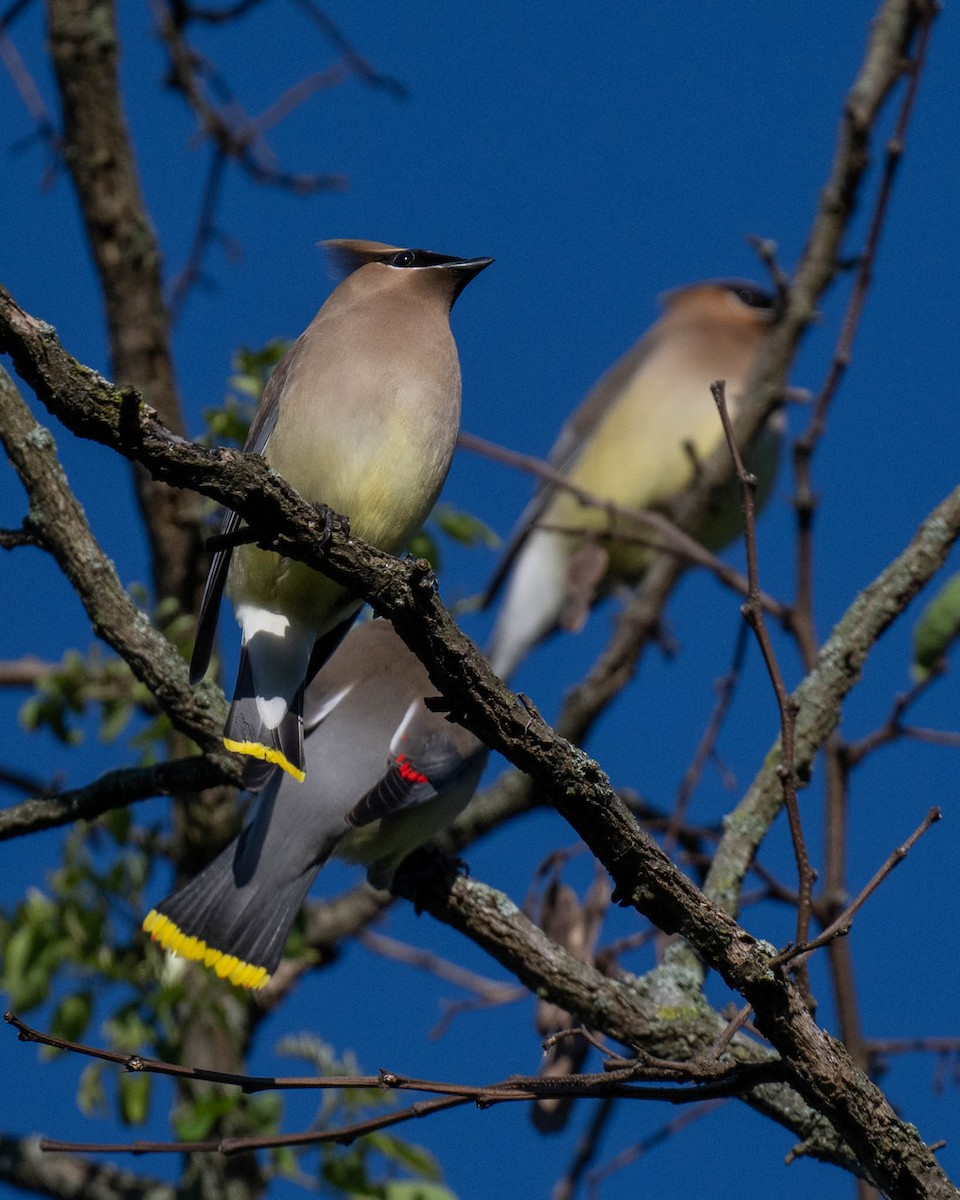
261	427
428	756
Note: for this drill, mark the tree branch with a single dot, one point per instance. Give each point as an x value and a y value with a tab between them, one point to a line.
69	1177
822	1072
58	521
99	154
117	789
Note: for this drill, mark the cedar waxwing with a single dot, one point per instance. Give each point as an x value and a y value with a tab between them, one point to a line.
635	441
386	774
361	414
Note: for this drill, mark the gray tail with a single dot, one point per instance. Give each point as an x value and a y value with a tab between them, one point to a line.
265	748
234	917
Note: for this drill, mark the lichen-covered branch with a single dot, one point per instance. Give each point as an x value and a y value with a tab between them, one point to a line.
663	1015
820	696
821	1070
59	524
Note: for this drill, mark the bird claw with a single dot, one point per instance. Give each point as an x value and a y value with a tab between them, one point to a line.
329	520
424	869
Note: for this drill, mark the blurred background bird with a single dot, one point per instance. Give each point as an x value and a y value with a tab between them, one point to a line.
361	415
385	775
575	926
635	441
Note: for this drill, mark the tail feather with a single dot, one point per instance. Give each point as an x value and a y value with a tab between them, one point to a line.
246	732
232	920
534	601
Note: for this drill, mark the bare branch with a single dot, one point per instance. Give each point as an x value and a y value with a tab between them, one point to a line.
786	705
58	522
842	925
116	789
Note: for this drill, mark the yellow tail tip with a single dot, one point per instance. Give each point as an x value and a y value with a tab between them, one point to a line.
267	754
226	966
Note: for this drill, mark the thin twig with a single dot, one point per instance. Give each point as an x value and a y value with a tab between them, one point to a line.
632	1153
204	234
842	925
29	93
725	689
853	753
753	613
486	993
357	63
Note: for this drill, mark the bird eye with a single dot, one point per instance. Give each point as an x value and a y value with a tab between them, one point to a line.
406	258
753	297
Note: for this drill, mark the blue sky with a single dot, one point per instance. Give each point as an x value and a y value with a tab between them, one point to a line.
602	154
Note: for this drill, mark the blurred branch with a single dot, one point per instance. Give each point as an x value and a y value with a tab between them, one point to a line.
586	1151
356	62
651	1142
67	1177
28	671
99	154
725	689
234	134
29	93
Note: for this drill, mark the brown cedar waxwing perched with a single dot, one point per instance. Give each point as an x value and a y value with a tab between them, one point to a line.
635	440
385	774
362	415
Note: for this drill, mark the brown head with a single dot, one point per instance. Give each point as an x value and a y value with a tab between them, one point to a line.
421	273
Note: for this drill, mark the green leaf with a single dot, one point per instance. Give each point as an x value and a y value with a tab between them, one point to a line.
416	1159
937	628
134	1097
194	1121
127	1030
91	1097
72	1016
464	527
413	1189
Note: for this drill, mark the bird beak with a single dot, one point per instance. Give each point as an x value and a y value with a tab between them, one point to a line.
469	266
464	269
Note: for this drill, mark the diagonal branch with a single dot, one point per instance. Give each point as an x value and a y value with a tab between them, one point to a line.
822	1072
58	522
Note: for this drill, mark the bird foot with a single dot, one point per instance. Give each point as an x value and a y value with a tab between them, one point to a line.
330	520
